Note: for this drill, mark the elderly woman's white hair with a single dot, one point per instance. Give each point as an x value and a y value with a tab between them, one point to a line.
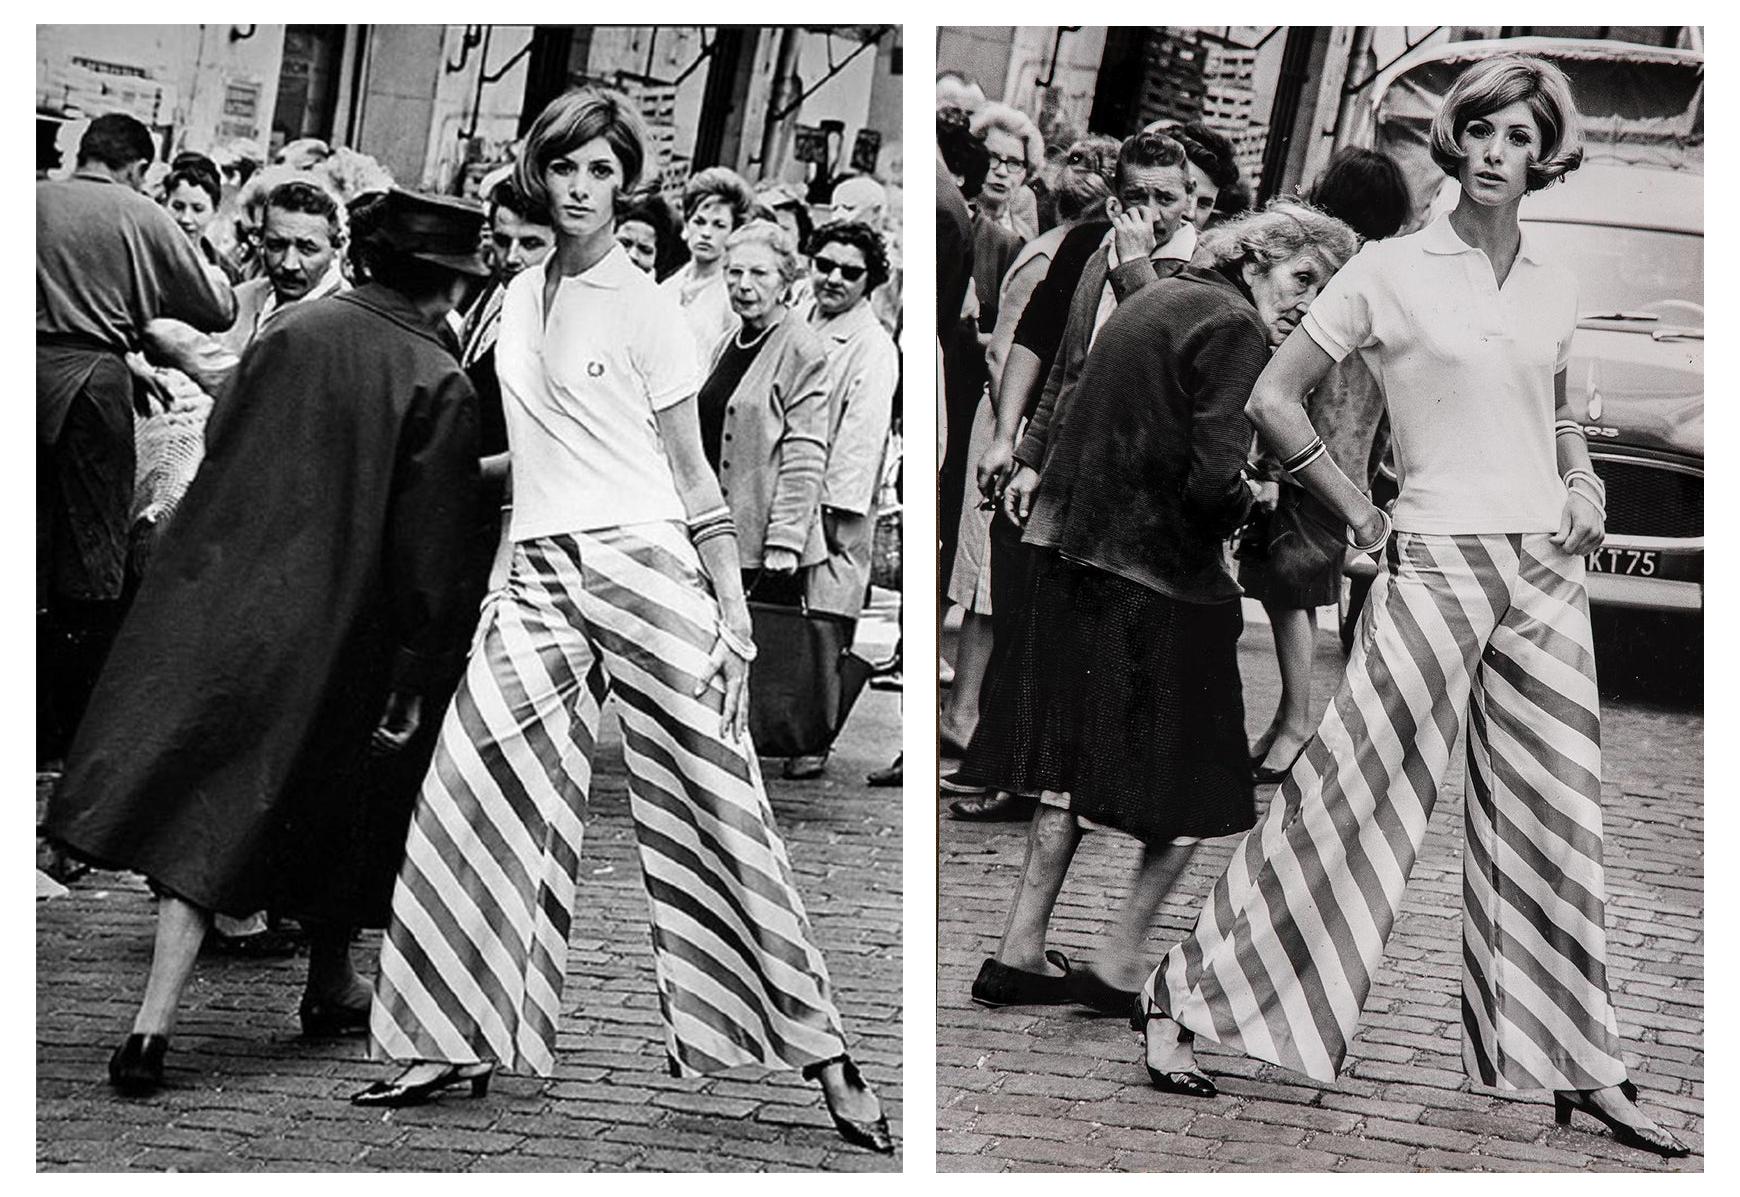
1277	233
774	236
1017	124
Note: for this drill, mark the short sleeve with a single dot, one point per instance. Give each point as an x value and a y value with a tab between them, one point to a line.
1340	318
665	350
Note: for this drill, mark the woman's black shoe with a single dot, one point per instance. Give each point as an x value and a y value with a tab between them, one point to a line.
1658	1141
873	1135
329	1020
1268	777
1189	1084
394	1095
999	985
136	1068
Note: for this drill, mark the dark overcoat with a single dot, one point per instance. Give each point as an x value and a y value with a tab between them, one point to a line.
317	562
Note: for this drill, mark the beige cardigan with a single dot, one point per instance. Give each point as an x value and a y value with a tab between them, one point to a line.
776	444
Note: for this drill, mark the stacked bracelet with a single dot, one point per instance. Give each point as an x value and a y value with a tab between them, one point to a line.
1595	491
745	649
711	524
1305	456
1383	535
1567	428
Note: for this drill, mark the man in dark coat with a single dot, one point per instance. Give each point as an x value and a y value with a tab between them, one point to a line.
310	591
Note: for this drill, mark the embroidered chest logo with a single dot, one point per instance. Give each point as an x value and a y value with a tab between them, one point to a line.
595	369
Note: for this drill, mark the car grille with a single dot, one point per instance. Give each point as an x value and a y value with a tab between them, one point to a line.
1644	499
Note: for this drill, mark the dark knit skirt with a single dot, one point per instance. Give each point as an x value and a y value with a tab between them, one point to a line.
1127	700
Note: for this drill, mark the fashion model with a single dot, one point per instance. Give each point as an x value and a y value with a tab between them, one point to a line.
1482	612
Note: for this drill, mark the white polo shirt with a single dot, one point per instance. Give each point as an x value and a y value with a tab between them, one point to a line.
1467	370
579	392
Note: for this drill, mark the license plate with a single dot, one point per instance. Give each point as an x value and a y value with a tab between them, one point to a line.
1642	563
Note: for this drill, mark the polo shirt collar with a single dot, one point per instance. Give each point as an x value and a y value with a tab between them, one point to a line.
612	272
1440	237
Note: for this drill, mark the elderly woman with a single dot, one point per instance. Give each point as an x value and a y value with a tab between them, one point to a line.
1482	610
1084	183
764	417
1121	705
716	202
848	261
1017	152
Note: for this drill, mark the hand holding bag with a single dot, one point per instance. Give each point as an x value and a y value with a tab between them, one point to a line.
804	680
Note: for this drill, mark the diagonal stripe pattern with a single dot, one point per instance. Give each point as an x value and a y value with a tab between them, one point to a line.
473	963
1284	950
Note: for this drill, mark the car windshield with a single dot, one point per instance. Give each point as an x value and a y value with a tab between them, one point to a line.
1643	277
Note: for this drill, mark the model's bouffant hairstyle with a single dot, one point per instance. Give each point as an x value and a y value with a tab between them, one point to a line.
1004	119
1496	83
117	141
862	238
782	243
1146	150
570	121
656	214
1366	189
720	183
300	196
1283	229
1083	182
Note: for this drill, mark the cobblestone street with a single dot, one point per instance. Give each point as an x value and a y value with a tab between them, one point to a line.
246	1093
1049	1088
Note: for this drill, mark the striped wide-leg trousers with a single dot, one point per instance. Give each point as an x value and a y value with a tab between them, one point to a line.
473	963
1284	951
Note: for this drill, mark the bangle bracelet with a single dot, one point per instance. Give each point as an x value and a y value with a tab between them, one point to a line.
708	516
1567	428
1594	480
1598	502
1304	456
1382	537
712	532
744	649
1298	466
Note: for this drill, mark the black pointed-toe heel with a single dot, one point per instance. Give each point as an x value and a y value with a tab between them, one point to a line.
1624	1133
136	1068
1188	1084
872	1135
393	1095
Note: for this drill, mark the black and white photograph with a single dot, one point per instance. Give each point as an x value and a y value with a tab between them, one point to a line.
468	534
1320	492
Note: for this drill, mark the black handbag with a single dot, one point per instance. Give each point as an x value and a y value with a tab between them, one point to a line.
804	680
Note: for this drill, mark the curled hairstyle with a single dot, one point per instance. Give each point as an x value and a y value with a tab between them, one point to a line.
766	232
1280	231
1084	182
570	121
720	183
1496	83
200	178
1147	150
994	116
298	195
670	252
864	239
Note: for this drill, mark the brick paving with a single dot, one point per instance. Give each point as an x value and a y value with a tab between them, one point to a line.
1049	1088
246	1093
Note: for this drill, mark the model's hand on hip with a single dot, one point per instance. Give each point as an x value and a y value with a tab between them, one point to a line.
728	665
399	722
1580	527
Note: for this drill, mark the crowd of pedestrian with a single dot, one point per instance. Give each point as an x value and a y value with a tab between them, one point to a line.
1144	383
356	503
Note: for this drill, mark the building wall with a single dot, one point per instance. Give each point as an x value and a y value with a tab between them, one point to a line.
180	79
398	103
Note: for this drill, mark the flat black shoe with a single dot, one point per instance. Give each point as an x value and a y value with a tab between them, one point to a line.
136	1068
873	1135
1657	1142
890	776
999	985
393	1095
1188	1084
1088	988
999	806
330	1020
